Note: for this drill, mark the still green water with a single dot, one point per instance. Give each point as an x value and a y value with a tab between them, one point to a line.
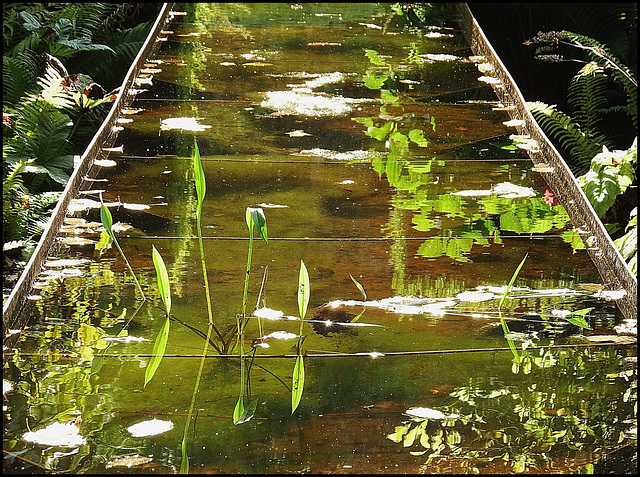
375	153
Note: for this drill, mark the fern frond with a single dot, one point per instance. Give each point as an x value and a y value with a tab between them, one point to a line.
41	132
587	96
86	16
599	53
54	90
582	147
18	78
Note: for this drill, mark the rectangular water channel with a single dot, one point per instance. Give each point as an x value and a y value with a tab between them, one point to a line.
379	156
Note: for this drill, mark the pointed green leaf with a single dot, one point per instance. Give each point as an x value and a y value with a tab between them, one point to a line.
158	352
184	464
303	290
163	280
201	185
255	216
359	287
298	384
107	220
238	411
513	279
248	413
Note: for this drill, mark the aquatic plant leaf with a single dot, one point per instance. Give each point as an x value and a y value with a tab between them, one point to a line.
255	216
303	290
248	413
163	279
374	81
201	185
152	427
107	219
298	384
359	287
158	352
184	462
511	282
238	411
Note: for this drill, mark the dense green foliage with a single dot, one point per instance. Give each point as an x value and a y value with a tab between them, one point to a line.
51	107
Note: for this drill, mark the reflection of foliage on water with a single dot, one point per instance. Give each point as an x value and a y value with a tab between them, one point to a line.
420	189
58	389
568	399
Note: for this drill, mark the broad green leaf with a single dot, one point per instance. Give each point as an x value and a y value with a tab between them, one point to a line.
398	434
303	290
359	287
30	22
410	437
158	351
163	280
298	384
388	97
201	186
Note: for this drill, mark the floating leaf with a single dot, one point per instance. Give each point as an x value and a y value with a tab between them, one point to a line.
399	433
298	384
417	136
